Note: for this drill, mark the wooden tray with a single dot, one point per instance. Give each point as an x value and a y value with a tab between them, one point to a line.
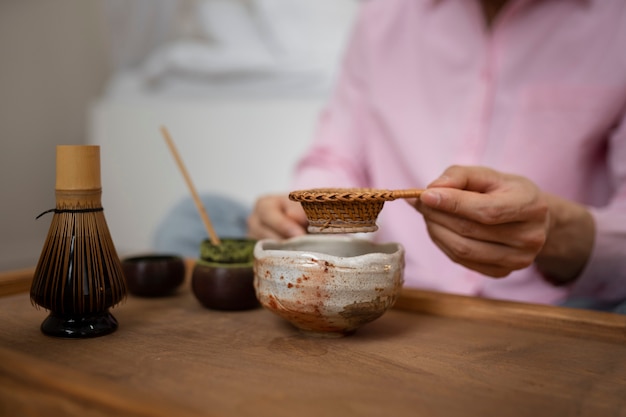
433	355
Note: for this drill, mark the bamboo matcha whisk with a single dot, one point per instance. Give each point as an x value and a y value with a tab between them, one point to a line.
79	275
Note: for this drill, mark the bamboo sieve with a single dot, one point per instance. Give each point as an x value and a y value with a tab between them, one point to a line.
346	210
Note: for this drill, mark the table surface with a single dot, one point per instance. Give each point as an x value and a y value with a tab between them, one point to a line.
432	355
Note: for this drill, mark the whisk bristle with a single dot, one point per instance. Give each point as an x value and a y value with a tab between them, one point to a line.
79	271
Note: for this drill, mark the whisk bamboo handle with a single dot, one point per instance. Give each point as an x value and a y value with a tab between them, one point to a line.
78	167
410	193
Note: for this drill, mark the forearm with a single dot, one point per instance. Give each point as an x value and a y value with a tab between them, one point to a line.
569	241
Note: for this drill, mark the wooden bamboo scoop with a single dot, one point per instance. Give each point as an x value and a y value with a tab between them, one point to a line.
346	210
215	240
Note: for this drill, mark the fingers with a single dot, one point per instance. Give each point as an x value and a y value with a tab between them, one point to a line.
522	233
490	258
258	230
485	196
504	207
276	217
470	178
295	211
488	221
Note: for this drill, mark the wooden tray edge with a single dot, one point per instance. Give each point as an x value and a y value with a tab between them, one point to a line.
537	317
15	282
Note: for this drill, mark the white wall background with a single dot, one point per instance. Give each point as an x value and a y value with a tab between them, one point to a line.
239	147
53	64
240	104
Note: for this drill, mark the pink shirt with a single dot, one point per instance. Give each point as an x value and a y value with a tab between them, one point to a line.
424	85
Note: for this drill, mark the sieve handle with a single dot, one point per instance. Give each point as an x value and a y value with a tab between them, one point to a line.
410	193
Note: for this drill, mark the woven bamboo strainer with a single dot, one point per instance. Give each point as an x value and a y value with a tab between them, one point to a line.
346	210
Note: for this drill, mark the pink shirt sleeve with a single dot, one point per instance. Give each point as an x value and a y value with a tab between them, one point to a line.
604	276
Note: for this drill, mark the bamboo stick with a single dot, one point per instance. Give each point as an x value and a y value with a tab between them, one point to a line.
201	209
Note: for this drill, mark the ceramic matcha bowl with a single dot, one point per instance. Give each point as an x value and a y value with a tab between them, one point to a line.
222	278
325	285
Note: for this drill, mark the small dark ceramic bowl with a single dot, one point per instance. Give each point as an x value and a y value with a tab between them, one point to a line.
224	286
153	275
223	277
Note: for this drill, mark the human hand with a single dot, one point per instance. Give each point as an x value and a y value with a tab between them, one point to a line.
488	221
275	216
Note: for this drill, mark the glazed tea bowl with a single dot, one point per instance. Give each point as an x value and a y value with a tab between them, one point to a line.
222	278
153	275
328	286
